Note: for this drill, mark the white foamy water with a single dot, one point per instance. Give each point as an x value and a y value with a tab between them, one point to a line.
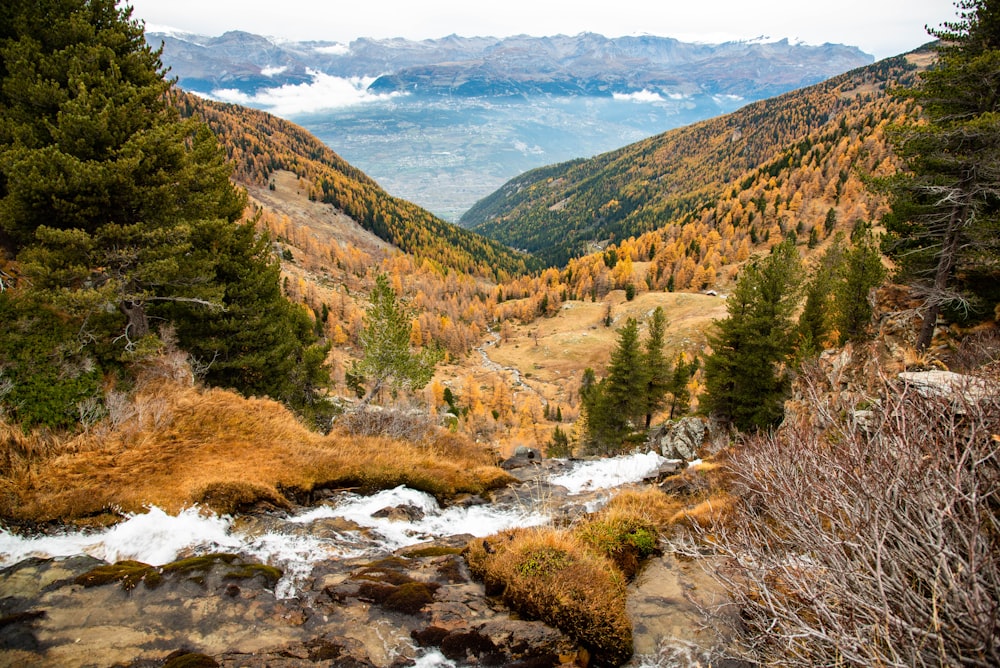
155	537
481	520
607	473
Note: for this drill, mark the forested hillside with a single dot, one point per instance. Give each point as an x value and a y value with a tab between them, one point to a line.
260	144
763	167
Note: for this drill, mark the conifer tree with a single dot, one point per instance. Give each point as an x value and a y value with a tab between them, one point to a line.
121	216
944	228
385	341
656	368
680	395
817	318
858	271
616	406
746	375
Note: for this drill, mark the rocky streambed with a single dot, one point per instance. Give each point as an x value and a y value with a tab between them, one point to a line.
352	581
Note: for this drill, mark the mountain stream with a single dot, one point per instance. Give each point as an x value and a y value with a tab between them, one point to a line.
347	526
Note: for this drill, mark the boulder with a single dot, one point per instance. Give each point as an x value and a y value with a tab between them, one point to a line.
955	387
682	439
522	457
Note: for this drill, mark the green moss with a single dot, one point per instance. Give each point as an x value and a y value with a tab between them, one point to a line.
271	574
202	563
432	551
129	573
388	570
411	598
627	542
191	660
543	561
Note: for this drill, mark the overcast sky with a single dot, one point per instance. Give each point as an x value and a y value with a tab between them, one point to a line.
880	27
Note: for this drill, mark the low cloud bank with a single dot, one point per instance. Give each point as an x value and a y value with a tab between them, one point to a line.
323	92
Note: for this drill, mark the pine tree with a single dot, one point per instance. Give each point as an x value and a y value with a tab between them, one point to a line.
817	318
385	341
616	406
944	228
680	395
121	215
655	366
746	376
857	273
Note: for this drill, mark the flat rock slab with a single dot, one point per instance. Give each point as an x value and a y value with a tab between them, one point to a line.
54	612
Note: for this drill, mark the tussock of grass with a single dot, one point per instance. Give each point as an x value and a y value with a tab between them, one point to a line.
181	446
549	574
574	578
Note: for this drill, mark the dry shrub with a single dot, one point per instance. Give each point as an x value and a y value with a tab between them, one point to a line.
412	425
548	574
647	503
871	542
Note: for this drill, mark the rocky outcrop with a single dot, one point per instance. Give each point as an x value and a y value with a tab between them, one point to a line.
222	611
957	388
683	439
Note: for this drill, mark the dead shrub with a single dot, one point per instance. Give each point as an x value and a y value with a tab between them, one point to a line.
413	426
874	541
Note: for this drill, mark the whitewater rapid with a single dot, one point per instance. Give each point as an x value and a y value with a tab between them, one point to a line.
156	537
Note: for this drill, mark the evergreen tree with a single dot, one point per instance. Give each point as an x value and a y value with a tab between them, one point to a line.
816	320
858	271
257	342
680	395
120	215
559	446
616	406
385	341
944	228
746	376
655	366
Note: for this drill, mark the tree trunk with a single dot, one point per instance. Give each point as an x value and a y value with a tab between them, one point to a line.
946	262
137	325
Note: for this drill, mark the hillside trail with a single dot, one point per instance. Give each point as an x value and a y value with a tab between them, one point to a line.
519	382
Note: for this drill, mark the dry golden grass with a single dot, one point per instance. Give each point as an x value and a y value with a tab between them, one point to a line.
551	575
574	578
212	447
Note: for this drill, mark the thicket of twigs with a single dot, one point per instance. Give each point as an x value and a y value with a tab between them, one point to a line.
871	537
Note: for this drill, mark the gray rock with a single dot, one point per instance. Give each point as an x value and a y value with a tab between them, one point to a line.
955	387
682	439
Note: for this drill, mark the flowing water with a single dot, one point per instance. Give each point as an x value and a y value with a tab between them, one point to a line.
345	526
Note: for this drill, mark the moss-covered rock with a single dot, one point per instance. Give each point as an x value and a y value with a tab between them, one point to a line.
129	573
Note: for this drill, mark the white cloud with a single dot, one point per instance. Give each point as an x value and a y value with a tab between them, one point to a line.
324	92
334	49
643	95
719	99
273	71
528	150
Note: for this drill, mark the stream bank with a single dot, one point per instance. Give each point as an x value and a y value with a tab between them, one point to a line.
366	581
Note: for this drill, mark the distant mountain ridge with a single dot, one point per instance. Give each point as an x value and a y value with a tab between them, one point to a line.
791	156
584	64
259	144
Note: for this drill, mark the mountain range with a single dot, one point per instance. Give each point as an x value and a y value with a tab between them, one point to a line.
445	122
584	64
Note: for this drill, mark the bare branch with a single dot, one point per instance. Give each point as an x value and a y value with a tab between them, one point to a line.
875	541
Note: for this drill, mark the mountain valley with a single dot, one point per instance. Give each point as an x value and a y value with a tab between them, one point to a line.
443	123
